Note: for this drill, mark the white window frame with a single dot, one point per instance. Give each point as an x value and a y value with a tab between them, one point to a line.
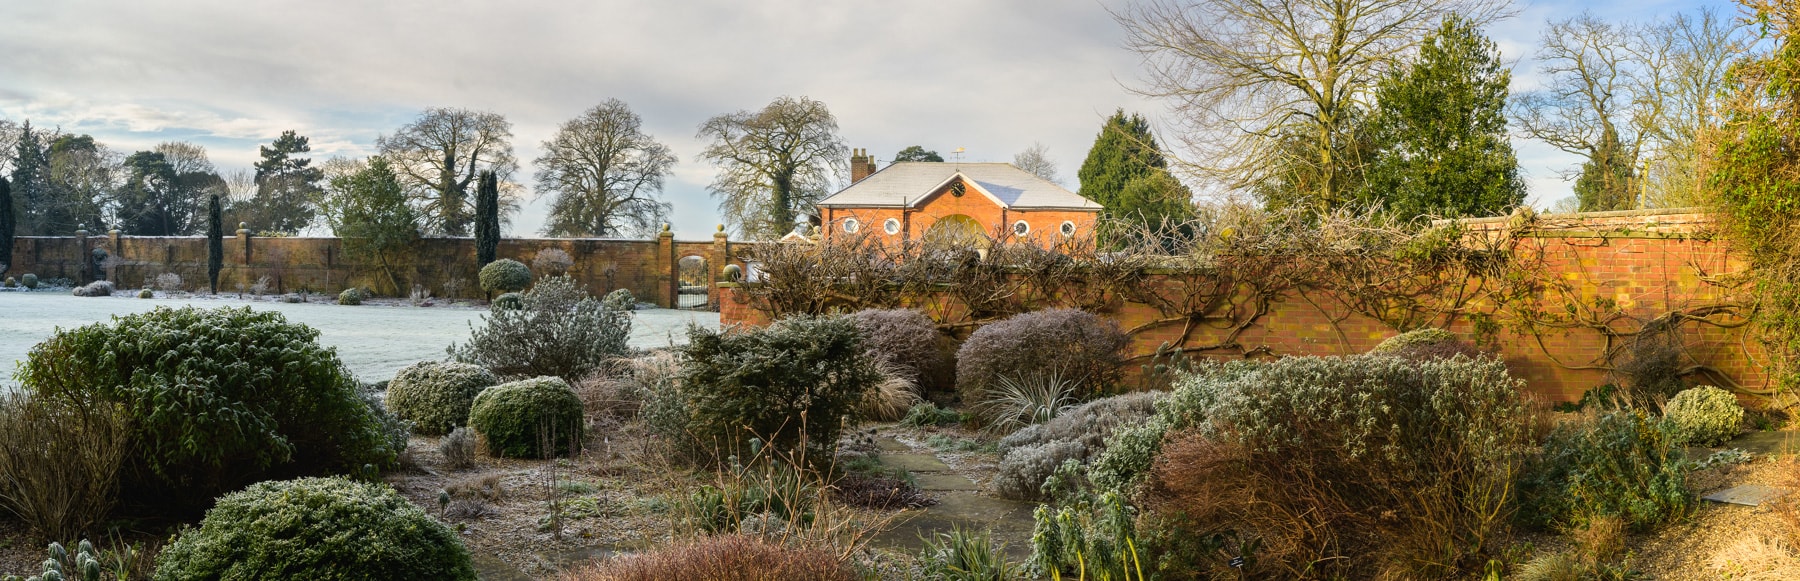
1067	228
891	226
851	225
1018	224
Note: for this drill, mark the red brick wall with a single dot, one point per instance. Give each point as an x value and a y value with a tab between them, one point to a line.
1645	263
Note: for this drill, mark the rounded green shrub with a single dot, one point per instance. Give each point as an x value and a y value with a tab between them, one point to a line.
1704	416
436	395
504	276
350	296
620	300
216	399
1427	343
12	282
29	280
146	294
1076	345
316	528
1622	464
509	301
515	419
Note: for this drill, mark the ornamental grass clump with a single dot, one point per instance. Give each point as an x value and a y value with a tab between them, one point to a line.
719	558
909	340
556	330
435	395
316	528
1084	348
215	399
532	418
1704	416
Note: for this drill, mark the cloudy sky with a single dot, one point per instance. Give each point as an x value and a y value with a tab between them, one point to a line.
989	76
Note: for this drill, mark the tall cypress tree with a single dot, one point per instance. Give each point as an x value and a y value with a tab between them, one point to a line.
215	242
487	219
7	221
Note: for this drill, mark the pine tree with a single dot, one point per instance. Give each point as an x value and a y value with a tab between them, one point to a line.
487	219
215	242
29	183
287	187
1440	134
1125	152
1607	179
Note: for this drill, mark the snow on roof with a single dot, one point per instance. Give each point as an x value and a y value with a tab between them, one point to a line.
909	182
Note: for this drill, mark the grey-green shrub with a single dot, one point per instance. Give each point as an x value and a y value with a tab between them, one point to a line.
12	282
1076	344
29	280
508	301
1427	343
620	300
1624	464
1031	455
350	296
98	288
557	330
435	395
515	419
1704	416
217	398
504	276
319	529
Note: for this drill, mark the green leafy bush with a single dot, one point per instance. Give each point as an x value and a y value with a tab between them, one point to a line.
315	528
908	339
29	280
217	398
350	296
620	300
1622	464
1704	416
1029	456
928	414
504	276
508	301
12	282
1080	346
1427	343
557	330
516	419
435	395
797	380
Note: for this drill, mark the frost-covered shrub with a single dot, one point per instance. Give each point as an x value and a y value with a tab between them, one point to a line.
552	261
1427	343
458	448
1620	464
316	528
12	282
168	282
1080	346
217	398
1704	416
928	414
29	280
909	339
504	276
98	288
350	296
797	380
508	301
435	395
1032	454
515	419
620	300
146	294
557	330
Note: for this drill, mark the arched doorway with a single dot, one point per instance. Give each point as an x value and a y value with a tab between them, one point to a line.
957	231
694	283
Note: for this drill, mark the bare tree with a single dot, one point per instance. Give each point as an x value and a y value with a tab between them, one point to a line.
1696	54
1264	85
438	156
9	141
186	157
774	164
606	174
1036	159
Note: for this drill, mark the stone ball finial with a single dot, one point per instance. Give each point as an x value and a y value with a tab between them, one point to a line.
721	227
665	227
733	273
243	225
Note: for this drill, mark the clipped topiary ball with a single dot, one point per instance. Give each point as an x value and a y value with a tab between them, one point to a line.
29	280
316	528
1704	416
1427	343
504	276
12	282
509	301
436	395
350	296
620	300
146	294
513	419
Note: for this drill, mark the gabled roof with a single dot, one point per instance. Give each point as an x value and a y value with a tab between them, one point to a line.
909	183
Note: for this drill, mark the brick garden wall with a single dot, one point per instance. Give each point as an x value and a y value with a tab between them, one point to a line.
445	266
1643	263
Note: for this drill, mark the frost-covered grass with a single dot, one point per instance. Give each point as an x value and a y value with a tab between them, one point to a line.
375	341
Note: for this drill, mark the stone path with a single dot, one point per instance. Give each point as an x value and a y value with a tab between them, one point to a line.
961	503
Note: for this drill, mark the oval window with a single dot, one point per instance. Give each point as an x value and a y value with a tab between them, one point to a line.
1020	228
1068	228
851	225
891	226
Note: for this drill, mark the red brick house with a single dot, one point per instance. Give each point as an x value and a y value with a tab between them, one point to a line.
973	202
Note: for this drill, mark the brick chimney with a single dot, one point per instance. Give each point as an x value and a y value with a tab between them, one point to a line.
861	165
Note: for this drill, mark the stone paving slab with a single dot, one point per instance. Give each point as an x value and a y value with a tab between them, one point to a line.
1767	442
1746	494
943	482
891	445
914	462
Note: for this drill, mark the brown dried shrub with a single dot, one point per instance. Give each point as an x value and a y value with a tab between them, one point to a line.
723	558
59	462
